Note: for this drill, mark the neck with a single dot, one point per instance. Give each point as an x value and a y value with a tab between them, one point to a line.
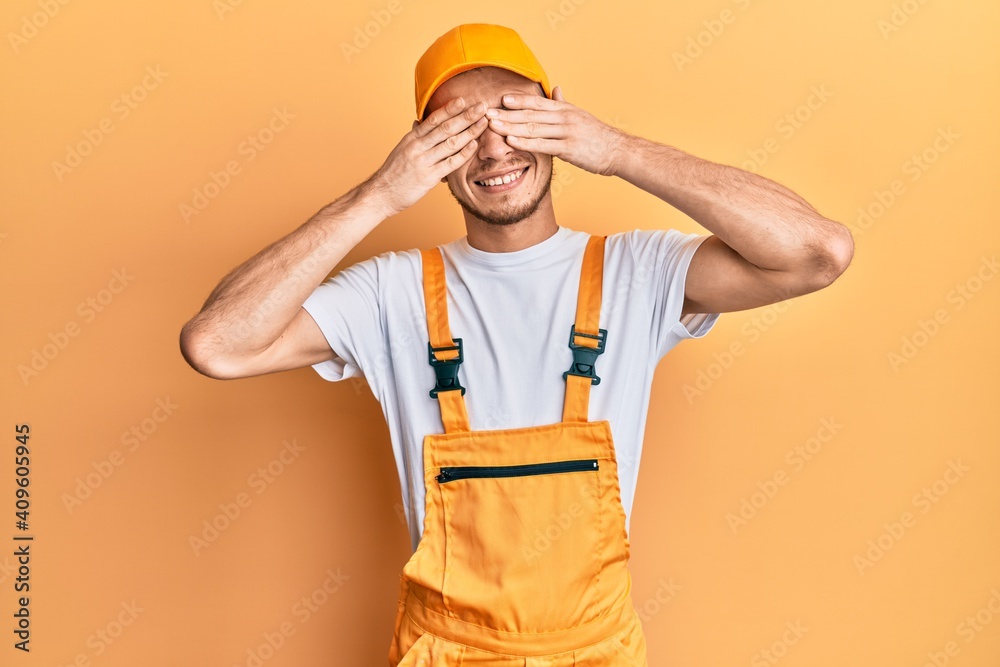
510	238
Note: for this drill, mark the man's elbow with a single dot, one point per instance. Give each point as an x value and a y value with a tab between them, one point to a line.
843	248
201	356
829	257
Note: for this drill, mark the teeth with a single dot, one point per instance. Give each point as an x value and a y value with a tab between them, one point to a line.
506	179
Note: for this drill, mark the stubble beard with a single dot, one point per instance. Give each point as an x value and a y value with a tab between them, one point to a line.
505	213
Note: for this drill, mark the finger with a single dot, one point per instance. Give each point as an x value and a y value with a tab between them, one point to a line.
453	162
456	142
513	101
453	108
453	126
526	115
438	116
537	145
557	94
530	129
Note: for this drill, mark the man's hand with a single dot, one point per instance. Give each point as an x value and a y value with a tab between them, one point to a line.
434	148
539	125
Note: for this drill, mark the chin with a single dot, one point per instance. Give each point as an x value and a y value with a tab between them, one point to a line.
505	211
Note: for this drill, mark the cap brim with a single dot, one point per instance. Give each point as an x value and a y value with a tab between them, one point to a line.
464	67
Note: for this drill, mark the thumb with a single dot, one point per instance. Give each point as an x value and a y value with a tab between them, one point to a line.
557	94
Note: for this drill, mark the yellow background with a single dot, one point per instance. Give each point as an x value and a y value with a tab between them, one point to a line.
896	77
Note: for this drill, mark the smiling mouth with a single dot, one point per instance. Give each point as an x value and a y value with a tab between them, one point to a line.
506	179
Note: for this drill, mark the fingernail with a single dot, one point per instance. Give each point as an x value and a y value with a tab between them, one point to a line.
508	99
492	113
498	122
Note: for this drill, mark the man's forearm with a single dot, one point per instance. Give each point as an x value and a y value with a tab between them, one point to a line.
254	303
766	223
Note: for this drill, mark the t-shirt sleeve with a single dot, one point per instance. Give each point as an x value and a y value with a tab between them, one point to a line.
347	309
664	255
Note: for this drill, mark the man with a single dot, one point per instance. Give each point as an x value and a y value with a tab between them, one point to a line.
518	518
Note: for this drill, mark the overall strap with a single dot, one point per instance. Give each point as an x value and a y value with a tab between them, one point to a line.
444	353
586	339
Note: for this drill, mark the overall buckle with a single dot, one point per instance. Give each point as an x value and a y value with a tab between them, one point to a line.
446	369
584	358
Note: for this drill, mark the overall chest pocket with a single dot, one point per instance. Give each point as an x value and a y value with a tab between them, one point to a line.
523	543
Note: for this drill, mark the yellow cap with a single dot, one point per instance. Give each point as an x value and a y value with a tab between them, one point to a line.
470	46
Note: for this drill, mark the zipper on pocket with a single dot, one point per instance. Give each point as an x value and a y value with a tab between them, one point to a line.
462	472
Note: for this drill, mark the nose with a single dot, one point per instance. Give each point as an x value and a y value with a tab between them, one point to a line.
493	146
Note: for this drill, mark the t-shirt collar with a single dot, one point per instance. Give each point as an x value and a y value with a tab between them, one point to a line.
498	259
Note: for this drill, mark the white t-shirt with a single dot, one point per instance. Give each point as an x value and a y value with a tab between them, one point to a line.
513	312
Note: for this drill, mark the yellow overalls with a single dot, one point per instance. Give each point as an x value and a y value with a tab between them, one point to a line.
524	555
